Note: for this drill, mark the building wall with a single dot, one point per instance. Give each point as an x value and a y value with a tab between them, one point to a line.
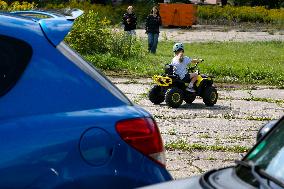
213	1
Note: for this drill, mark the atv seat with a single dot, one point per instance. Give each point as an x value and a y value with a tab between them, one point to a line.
204	76
207	76
169	71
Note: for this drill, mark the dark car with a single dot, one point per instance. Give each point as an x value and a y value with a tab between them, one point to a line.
262	167
63	124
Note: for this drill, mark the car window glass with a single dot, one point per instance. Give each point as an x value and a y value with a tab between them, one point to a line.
14	55
88	68
268	155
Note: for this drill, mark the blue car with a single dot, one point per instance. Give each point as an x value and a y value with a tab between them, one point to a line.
63	124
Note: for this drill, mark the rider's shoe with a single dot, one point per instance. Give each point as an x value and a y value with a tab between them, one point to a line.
190	89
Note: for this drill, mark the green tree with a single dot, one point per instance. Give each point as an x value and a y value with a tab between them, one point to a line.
267	3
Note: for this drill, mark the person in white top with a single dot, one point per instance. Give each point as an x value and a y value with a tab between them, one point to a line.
180	64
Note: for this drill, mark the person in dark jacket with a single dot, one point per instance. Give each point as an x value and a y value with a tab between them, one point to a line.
153	23
129	21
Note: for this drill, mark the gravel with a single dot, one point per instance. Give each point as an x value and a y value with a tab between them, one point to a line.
189	36
232	122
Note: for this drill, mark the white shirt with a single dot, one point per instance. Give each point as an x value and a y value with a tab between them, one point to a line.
180	68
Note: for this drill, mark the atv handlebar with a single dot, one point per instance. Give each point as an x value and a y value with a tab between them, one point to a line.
199	60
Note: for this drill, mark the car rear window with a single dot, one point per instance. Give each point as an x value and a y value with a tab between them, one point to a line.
14	57
89	69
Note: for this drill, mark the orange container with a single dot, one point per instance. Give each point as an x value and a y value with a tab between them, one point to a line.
178	14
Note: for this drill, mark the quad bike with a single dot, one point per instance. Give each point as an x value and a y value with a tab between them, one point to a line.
170	88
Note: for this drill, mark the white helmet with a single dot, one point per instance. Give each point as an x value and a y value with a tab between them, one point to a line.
178	46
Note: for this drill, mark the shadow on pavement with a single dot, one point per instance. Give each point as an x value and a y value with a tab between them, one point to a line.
200	106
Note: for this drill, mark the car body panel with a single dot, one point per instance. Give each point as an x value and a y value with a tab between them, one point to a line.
192	183
223	178
227	178
46	145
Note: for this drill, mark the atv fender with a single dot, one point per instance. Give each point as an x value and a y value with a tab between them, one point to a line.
199	80
163	81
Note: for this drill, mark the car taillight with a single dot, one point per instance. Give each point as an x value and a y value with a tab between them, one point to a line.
143	135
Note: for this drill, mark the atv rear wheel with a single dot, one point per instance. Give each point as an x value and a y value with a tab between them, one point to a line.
210	96
174	97
156	95
189	97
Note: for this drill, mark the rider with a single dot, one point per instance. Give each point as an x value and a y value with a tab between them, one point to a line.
180	63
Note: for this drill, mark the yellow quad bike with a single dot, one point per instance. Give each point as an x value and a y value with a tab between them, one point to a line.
170	88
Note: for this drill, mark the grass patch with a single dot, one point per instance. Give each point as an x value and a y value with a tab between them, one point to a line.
269	100
229	62
204	136
259	118
140	97
131	81
236	137
211	159
172	132
184	146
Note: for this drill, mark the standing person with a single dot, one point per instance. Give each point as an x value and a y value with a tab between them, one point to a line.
129	21
153	23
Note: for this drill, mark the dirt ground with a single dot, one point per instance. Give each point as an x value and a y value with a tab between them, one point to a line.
216	34
231	124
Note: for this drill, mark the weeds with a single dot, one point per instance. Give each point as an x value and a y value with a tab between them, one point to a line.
211	158
258	118
140	97
131	81
270	100
204	136
184	146
172	132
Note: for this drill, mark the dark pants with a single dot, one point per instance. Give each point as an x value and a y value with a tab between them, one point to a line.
152	42
186	78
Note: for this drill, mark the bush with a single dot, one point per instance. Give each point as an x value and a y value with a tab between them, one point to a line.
241	14
214	13
107	62
16	6
113	13
125	46
89	34
268	3
92	34
3	5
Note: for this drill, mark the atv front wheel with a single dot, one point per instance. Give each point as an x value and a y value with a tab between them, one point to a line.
210	96
189	97
174	97
156	95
